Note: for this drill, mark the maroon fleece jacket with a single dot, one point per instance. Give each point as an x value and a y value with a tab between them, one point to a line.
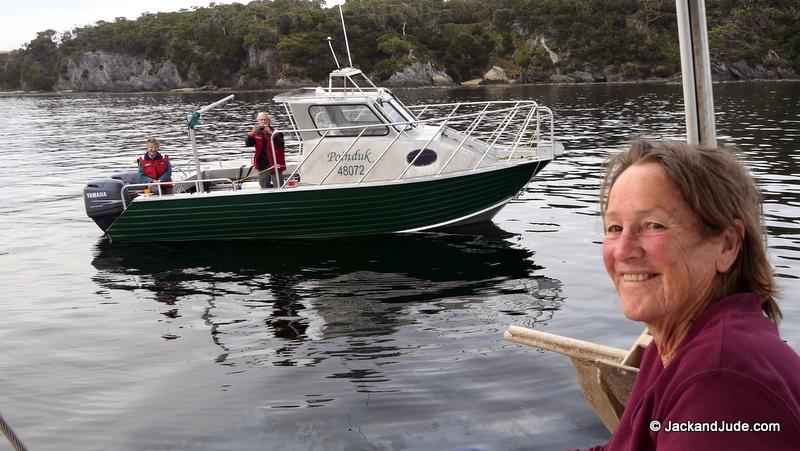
731	372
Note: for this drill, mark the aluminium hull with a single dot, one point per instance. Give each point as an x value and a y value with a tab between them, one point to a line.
327	211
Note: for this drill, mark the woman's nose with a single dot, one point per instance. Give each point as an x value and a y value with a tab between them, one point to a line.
628	245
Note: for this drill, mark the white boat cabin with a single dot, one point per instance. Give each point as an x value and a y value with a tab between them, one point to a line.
350	133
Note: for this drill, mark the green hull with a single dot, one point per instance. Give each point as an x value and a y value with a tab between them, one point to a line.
342	210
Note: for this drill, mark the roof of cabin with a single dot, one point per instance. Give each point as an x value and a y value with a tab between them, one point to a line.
346	89
336	95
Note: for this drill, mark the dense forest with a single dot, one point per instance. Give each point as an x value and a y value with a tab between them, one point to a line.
263	42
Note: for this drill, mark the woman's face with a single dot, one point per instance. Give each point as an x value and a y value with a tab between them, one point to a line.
661	266
152	149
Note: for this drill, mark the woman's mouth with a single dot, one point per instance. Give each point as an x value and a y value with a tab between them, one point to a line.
637	277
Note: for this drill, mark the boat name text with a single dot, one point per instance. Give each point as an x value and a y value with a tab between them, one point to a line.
358	155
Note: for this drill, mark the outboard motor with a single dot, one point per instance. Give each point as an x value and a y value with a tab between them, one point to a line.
103	199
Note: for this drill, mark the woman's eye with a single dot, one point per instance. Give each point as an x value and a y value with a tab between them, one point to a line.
654	226
614	229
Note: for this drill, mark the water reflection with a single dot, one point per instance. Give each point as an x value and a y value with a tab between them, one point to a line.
282	304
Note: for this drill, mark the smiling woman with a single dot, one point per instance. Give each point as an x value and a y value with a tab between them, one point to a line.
684	247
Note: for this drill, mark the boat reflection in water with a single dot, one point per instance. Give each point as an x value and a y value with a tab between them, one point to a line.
263	301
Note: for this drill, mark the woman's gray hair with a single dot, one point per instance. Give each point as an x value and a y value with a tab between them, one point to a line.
153	141
719	190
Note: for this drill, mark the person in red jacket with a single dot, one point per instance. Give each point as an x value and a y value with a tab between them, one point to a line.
685	247
269	162
155	167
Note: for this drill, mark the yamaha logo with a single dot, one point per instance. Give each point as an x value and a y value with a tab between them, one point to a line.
96	194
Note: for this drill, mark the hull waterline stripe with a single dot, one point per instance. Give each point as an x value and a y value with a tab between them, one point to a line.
463	218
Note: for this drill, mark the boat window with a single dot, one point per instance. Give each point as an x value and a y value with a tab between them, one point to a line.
327	116
426	157
394	112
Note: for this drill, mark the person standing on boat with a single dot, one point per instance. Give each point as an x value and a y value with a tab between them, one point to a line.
269	161
155	167
685	247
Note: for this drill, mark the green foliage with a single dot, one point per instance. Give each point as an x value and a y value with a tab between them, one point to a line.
522	55
541	59
463	36
10	70
39	67
394	46
503	18
463	53
384	69
298	48
503	43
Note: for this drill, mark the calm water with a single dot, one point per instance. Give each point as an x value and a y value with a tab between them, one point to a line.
383	343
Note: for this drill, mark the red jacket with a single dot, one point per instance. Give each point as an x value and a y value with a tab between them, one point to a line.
156	168
263	158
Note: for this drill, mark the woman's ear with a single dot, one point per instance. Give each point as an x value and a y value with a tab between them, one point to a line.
731	242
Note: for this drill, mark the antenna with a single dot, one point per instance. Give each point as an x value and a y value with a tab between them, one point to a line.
333	53
346	44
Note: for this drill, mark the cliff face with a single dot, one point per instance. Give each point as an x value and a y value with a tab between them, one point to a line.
114	72
110	72
419	74
100	71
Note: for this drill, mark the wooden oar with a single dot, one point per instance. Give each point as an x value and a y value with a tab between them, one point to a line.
564	345
605	374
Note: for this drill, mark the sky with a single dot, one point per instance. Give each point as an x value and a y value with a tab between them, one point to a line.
20	20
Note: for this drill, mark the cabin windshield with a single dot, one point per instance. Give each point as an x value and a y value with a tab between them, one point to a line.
394	112
328	116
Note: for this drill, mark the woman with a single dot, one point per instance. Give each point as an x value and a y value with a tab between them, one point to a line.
155	168
684	246
264	160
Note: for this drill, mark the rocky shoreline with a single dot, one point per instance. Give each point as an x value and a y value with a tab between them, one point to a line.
122	73
167	80
395	88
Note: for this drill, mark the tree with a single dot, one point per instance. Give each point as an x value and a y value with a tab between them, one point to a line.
40	62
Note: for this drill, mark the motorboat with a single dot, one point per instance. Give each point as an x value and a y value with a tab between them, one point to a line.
363	164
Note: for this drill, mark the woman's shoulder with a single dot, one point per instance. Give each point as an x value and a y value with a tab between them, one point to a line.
736	340
738	353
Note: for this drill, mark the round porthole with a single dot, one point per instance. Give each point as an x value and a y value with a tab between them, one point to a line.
426	157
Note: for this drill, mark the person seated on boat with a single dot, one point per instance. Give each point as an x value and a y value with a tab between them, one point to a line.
155	167
264	160
685	248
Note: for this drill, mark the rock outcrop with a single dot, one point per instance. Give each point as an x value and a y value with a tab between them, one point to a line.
472	82
100	71
742	70
495	75
419	74
263	69
112	72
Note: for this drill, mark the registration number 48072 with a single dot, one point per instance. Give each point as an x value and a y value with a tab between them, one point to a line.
351	170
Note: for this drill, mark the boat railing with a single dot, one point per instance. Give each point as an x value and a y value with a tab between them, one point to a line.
513	129
158	185
490	109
